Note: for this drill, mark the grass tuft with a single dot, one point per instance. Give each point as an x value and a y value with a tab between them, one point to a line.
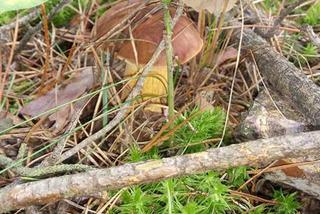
206	125
312	16
288	204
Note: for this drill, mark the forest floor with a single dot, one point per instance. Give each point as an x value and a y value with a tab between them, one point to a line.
68	109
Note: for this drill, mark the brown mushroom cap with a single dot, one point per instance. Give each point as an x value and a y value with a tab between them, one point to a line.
120	12
186	40
114	16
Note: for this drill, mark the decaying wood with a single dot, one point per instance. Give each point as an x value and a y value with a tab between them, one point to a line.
264	121
284	77
306	185
283	14
313	37
270	115
253	153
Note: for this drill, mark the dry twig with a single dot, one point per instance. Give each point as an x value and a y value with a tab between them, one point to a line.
284	77
254	153
283	14
309	32
22	21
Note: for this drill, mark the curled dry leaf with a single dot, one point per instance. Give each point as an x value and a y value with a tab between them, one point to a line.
75	87
213	6
229	53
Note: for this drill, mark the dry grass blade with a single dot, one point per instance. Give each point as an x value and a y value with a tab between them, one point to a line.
3	77
48	46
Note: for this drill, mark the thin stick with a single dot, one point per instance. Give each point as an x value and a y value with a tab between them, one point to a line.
234	78
4	77
283	14
22	21
47	48
169	54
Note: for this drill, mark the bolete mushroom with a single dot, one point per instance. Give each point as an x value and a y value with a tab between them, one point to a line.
146	36
186	43
118	13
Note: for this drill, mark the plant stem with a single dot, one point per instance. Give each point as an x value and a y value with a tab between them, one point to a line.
105	98
169	54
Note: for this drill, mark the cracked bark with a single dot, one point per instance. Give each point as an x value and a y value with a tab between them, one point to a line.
253	153
284	77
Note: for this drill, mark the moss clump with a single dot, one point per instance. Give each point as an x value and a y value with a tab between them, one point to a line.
61	19
206	125
67	13
312	16
7	17
205	193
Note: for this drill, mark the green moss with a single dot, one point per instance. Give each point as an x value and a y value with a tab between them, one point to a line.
206	125
7	17
288	204
309	50
274	5
313	15
299	52
135	154
271	5
203	193
67	13
237	176
61	19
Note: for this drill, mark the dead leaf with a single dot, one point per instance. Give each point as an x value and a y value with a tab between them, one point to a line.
228	54
75	87
213	6
295	171
204	99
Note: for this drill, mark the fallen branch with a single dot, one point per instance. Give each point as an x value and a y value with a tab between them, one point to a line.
313	37
277	23
284	77
40	171
253	153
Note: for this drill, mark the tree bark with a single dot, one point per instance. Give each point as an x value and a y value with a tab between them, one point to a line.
284	77
253	153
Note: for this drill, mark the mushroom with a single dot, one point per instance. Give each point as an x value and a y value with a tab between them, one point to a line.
138	50
116	15
186	43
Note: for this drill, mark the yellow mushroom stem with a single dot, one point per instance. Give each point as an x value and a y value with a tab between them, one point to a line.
155	86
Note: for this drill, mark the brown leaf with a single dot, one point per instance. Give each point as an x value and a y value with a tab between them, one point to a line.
204	99
72	89
295	171
228	54
213	6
